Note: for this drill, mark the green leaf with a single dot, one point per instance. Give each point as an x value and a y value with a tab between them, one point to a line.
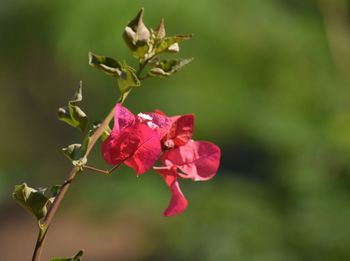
125	74
106	64
77	152
77	257
141	51
127	81
33	200
72	114
136	34
55	189
72	152
171	43
168	67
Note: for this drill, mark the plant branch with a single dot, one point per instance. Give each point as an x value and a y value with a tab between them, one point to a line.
44	226
57	201
105	172
39	243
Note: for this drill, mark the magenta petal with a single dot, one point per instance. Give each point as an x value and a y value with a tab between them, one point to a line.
178	202
131	142
123	118
180	132
118	147
147	151
198	160
106	150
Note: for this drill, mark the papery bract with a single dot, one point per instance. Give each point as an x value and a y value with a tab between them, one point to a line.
132	142
157	121
147	151
178	202
199	160
123	118
180	131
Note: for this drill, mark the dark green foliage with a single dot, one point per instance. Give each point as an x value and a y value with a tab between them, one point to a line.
76	152
33	200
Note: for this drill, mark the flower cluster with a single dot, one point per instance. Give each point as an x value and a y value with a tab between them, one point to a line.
140	140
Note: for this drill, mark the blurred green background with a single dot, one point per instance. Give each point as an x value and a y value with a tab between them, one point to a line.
269	84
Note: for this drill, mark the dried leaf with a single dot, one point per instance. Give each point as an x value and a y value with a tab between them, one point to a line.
106	64
72	114
136	35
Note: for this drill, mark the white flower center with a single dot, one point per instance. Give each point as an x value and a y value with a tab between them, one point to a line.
145	116
147	119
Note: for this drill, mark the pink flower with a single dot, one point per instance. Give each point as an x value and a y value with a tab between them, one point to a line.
139	141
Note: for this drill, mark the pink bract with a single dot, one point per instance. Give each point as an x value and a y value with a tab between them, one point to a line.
137	141
180	132
132	142
198	160
123	118
160	122
178	202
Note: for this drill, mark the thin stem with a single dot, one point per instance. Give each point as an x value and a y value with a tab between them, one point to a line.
57	201
59	197
105	172
44	226
50	214
39	244
114	168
